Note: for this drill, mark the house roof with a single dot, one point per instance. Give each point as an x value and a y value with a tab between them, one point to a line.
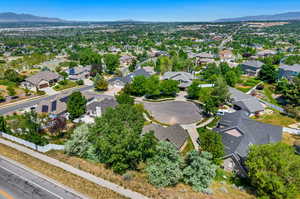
294	68
183	76
174	134
245	101
129	77
78	70
253	63
103	104
43	75
252	132
205	55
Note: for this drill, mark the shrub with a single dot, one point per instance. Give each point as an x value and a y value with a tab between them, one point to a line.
79	82
78	144
200	171
164	169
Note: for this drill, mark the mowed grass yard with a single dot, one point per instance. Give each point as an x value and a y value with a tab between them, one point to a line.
73	181
276	119
139	183
64	85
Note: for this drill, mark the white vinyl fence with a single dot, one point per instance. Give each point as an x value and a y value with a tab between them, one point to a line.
42	149
291	131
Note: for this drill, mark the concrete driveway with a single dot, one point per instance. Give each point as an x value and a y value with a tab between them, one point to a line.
174	112
49	91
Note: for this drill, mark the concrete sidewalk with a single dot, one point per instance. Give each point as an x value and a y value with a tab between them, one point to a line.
99	181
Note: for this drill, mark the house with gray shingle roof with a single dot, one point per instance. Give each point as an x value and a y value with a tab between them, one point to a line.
122	81
239	132
174	134
243	101
289	71
97	108
41	80
185	79
79	73
251	67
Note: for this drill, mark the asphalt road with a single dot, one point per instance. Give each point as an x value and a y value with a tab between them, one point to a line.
19	183
20	106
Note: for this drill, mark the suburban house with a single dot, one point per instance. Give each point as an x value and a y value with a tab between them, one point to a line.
289	71
41	80
266	53
240	132
251	67
185	79
54	106
96	108
58	104
122	81
126	60
79	73
226	55
243	101
174	134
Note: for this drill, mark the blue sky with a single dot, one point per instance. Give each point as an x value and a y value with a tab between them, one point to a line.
153	10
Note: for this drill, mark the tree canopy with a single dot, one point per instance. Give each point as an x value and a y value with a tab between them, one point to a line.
76	105
274	170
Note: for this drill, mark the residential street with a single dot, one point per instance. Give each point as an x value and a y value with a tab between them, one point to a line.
19	182
21	105
68	168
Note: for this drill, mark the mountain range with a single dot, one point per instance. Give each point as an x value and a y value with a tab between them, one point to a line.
276	17
10	17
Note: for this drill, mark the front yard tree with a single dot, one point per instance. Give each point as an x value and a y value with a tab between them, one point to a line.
274	170
268	73
12	75
3	125
76	105
220	92
169	87
124	98
211	142
137	87
231	78
11	91
163	64
200	170
194	90
100	83
112	62
118	141
132	66
152	87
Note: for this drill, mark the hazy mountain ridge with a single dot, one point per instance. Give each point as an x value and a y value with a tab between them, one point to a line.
9	17
276	17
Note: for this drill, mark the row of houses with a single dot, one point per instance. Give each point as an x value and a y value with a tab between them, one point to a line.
46	79
252	68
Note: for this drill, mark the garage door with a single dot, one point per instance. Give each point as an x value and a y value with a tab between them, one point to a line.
44	85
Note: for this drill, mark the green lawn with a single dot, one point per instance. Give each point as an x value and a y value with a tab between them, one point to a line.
276	119
62	86
7	83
